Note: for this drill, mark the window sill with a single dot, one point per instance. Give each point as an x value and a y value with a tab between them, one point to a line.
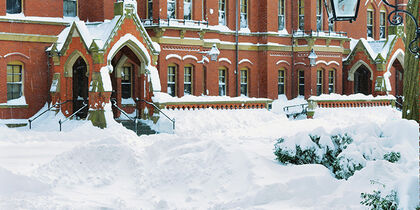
8	106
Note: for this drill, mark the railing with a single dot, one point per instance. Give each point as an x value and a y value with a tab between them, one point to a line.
156	107
114	103
399	102
61	122
299	33
173	22
55	105
303	110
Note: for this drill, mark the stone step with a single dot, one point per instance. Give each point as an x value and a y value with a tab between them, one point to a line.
142	128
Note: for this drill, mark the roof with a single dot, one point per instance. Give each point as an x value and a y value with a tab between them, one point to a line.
374	49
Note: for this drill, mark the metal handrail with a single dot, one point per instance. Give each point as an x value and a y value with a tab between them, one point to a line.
156	107
114	103
61	122
286	108
55	105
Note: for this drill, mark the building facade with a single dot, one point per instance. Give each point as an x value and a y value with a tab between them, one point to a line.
86	52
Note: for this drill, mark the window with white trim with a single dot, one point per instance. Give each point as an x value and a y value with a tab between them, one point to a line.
281	82
281	16
14	80
301	82
188	81
382	26
171	9
171	90
301	13
222	12
187	9
69	8
244	13
126	82
13	6
319	15
370	23
222	82
331	81
244	82
319	78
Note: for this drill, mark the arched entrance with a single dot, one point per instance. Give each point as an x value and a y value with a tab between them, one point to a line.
362	83
80	87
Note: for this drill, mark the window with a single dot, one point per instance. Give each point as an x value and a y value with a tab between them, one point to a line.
126	82
319	82
70	8
301	13
171	9
244	13
222	12
301	82
331	81
188	80
281	82
222	82
171	80
150	9
14	80
382	26
370	23
319	15
244	82
13	6
281	15
187	9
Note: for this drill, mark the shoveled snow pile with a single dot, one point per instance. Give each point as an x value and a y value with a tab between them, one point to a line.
216	159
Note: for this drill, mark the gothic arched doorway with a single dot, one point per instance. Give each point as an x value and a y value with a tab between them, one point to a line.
80	87
362	83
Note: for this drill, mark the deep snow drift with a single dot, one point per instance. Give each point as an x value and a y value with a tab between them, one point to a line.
214	160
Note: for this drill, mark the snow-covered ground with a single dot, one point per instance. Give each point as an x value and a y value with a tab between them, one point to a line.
214	160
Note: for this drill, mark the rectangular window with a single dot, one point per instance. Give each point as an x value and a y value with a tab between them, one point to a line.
319	15
171	80
14	81
150	9
187	9
244	82
126	82
331	81
301	12
171	9
244	13
301	82
13	6
70	8
188	80
370	23
281	15
222	12
319	82
222	82
382	27
330	26
281	82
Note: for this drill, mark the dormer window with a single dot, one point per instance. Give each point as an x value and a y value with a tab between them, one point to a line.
70	8
13	6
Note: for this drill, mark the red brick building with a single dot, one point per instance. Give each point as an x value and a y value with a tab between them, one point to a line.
88	51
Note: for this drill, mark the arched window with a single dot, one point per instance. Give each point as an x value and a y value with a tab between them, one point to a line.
281	15
281	82
222	81
187	9
244	82
171	9
126	81
222	12
382	23
331	81
14	80
188	79
301	13
370	22
70	8
172	80
319	79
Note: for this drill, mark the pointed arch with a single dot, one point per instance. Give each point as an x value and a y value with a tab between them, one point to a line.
356	66
68	66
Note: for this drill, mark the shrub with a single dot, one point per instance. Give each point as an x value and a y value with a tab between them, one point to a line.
392	157
377	202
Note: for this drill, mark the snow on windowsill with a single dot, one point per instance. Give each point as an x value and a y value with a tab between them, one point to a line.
128	101
16	102
245	30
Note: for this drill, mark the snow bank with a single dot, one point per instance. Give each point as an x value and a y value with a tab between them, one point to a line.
353	97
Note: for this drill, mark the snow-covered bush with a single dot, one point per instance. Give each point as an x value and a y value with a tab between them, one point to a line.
392	157
377	202
348	162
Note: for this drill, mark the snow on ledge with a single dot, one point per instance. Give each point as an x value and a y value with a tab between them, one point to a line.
245	61
353	97
225	59
160	97
16	102
173	56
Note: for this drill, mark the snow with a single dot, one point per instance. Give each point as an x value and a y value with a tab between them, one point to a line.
106	79
166	98
169	56
216	159
353	97
18	101
245	61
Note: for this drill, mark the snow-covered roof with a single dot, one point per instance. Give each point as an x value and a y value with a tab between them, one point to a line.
373	48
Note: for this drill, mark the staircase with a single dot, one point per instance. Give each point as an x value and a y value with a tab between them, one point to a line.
142	128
